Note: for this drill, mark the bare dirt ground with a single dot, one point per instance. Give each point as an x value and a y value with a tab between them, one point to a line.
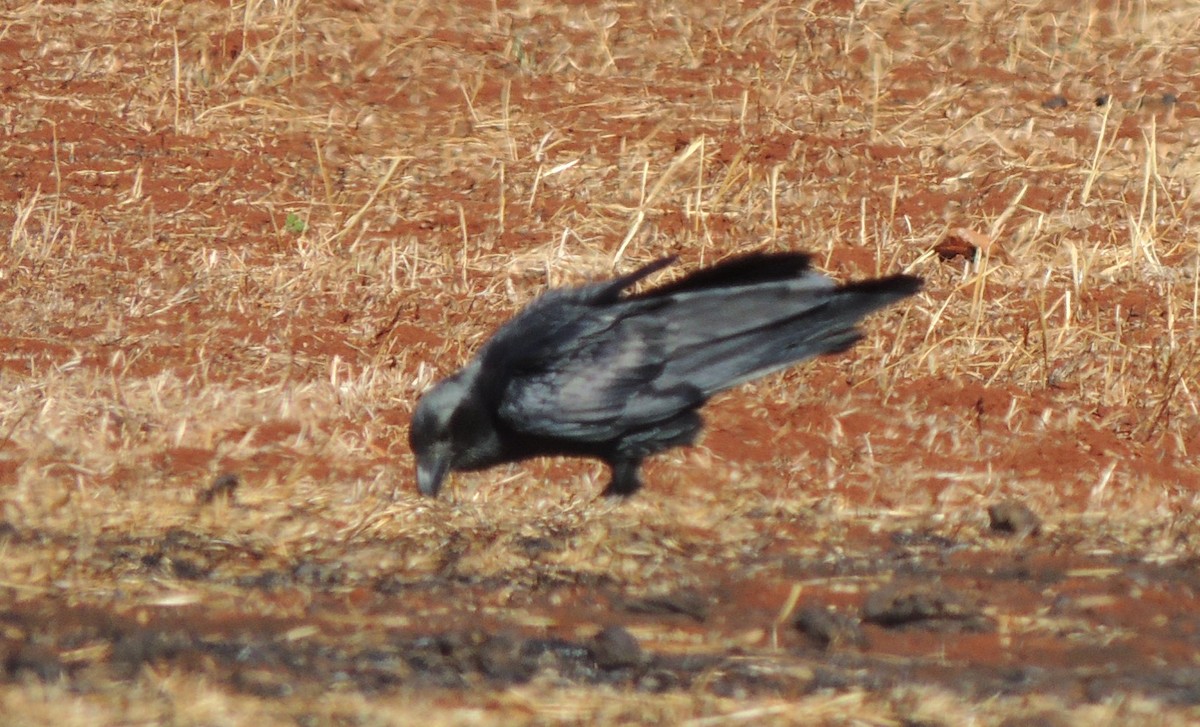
240	238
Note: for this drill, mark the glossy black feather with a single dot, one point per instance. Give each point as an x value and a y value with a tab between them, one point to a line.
589	371
751	269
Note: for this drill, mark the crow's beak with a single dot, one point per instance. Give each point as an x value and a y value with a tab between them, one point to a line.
431	470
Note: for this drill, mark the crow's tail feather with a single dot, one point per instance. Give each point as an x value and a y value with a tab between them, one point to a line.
885	290
746	270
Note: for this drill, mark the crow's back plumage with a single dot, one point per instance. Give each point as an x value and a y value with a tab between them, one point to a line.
594	371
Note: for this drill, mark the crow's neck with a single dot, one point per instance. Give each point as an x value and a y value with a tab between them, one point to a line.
478	443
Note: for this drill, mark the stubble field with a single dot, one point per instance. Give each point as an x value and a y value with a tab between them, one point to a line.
240	239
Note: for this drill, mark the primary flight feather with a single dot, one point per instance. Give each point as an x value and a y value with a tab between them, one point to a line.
594	371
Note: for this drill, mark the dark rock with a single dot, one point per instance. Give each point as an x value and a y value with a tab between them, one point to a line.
686	603
501	658
34	659
615	648
135	648
930	605
223	486
828	629
1014	517
263	683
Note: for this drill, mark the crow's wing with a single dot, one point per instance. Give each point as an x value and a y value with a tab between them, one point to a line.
719	341
596	380
593	369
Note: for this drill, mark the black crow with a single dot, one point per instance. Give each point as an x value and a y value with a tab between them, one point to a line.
593	371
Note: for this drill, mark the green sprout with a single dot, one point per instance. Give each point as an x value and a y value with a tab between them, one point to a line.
294	223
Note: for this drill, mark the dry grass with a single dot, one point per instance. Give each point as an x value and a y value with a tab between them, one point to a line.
243	239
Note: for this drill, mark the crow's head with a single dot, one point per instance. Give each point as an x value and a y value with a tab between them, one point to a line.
450	430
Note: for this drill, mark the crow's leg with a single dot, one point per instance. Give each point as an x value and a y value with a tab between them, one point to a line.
626	457
625	479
